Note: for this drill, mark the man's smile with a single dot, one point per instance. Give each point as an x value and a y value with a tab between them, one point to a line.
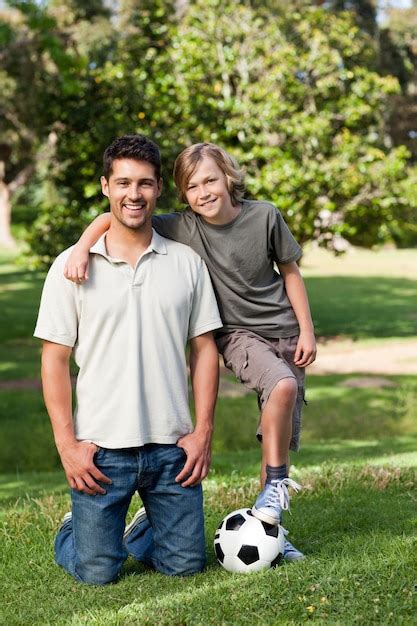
133	207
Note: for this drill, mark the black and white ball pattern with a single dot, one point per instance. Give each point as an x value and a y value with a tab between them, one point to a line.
244	544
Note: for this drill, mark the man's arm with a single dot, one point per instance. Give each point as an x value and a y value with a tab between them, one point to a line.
76	456
297	295
204	368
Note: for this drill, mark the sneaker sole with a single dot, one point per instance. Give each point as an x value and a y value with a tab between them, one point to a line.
139	517
264	517
293	559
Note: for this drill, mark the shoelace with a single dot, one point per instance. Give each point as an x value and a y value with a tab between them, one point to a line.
279	494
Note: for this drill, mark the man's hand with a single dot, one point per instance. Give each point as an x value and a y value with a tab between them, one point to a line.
198	450
306	350
82	475
76	267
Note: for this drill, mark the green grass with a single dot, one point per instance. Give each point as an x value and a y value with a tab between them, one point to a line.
356	524
356	518
363	307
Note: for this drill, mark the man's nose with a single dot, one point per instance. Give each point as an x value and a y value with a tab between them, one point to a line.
135	192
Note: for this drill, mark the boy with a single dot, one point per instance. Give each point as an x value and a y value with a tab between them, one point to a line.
267	337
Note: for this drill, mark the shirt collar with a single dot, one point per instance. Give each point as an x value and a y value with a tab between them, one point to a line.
157	245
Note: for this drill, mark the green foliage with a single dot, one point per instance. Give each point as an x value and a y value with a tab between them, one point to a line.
295	96
299	102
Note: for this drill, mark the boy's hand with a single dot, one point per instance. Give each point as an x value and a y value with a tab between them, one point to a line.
76	267
306	350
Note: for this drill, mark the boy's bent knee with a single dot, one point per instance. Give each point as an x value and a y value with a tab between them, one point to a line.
286	388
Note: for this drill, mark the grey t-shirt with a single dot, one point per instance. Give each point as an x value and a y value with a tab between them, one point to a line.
240	257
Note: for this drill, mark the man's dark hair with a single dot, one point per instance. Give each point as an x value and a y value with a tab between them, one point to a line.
136	147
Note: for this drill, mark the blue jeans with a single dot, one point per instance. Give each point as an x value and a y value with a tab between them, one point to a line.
90	546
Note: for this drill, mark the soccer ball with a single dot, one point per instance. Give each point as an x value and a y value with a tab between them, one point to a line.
244	544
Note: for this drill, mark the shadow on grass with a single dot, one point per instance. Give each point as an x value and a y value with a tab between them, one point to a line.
401	450
334	412
34	485
19	302
363	307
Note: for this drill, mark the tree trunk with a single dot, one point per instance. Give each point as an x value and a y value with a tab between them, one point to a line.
6	238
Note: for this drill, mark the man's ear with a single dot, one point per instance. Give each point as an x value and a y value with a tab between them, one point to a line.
160	184
104	186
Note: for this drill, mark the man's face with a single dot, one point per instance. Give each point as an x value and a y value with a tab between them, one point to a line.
132	190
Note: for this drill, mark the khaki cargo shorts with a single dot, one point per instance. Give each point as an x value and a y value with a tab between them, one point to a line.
260	364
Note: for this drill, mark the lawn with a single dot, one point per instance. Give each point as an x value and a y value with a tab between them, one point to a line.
355	519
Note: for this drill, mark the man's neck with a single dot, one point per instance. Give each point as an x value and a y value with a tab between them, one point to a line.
127	244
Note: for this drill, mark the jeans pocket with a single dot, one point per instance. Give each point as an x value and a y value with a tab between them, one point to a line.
99	453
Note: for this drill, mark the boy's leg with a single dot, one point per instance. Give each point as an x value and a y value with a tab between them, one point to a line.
267	366
89	544
258	364
176	544
276	425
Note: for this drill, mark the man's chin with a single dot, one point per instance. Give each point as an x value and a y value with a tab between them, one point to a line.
134	224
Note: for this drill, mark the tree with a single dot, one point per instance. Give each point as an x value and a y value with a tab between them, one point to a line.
296	97
34	70
124	86
298	100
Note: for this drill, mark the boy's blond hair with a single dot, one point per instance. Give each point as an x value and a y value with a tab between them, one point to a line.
187	161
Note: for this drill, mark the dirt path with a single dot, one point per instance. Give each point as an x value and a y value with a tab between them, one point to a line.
348	357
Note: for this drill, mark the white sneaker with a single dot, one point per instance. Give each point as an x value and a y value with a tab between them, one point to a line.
290	552
273	500
139	517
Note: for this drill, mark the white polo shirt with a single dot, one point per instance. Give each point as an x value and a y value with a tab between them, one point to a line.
129	328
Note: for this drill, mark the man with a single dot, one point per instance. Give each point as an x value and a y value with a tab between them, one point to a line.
132	430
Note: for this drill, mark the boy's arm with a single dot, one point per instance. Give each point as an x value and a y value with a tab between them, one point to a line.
76	267
204	369
76	456
297	295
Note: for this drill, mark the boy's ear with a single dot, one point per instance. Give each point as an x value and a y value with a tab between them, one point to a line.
104	186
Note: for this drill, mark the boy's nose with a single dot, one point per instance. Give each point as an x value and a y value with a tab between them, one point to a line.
204	193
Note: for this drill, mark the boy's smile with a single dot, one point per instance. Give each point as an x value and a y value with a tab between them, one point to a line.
208	195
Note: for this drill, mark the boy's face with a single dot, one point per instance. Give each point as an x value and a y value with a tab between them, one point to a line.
132	190
207	193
